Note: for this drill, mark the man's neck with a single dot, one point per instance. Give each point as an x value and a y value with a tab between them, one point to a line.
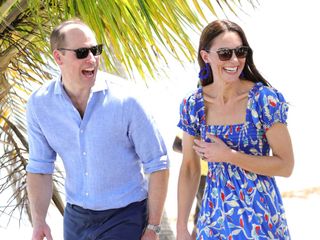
79	98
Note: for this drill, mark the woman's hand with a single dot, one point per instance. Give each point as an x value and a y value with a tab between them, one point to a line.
280	163
183	235
214	151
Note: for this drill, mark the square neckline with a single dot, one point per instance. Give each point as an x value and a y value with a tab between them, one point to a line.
250	95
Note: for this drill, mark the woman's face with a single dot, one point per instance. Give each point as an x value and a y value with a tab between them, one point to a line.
226	70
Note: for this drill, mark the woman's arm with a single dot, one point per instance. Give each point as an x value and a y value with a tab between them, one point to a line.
188	184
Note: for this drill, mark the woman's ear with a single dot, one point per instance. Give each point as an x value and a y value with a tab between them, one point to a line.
57	56
204	55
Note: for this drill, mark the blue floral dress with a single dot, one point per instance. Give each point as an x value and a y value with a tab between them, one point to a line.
238	204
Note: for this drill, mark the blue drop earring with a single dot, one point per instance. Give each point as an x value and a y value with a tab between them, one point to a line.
241	75
205	72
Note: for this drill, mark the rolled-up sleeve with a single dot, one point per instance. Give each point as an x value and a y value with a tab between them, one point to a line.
40	166
41	155
146	138
156	164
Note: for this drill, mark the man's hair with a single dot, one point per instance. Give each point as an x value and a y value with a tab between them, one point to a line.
57	37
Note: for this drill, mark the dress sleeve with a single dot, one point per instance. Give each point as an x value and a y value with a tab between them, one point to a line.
189	121
270	106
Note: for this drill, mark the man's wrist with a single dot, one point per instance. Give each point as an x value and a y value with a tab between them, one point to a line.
154	228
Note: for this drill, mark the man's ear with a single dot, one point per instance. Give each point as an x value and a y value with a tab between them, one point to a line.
57	56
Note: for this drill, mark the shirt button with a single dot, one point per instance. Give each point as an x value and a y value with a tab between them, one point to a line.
86	174
84	153
87	194
81	131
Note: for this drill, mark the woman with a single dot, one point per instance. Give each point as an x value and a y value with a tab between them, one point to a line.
232	121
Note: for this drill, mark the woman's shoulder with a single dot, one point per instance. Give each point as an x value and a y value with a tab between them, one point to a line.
267	106
193	98
266	94
260	89
192	103
190	111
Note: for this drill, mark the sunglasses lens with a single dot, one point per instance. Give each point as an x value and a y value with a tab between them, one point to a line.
96	50
224	54
241	52
82	53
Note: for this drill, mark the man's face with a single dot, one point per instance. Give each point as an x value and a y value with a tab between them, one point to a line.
77	74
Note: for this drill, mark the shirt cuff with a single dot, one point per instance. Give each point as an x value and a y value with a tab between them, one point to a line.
41	167
156	164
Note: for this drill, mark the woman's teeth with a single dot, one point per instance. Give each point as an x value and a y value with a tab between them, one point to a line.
231	69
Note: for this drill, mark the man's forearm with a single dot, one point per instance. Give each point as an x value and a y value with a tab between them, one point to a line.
158	187
39	187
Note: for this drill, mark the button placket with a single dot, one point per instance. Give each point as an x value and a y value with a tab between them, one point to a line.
84	161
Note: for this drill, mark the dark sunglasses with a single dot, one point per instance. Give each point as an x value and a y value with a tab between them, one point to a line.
82	53
225	54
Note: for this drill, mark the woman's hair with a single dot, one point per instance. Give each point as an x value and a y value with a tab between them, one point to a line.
214	29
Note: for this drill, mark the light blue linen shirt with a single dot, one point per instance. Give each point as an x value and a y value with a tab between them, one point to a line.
106	154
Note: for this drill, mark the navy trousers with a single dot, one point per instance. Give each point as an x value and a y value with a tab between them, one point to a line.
127	223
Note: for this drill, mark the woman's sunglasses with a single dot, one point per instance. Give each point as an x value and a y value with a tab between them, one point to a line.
225	54
82	53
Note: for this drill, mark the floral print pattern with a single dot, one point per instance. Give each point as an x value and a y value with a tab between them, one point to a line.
238	204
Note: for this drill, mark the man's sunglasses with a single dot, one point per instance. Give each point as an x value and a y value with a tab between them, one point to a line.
82	53
225	54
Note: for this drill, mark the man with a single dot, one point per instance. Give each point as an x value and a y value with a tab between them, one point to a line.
105	140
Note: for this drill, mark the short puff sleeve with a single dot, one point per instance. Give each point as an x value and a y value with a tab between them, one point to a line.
189	119
268	107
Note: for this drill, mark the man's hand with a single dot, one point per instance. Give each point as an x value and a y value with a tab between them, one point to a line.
149	235
41	232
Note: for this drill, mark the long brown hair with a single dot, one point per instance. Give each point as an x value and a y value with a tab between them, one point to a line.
214	29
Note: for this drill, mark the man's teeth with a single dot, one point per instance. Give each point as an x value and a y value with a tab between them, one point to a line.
88	72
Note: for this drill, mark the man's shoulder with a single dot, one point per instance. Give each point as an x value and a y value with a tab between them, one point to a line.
44	90
120	88
42	97
114	81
